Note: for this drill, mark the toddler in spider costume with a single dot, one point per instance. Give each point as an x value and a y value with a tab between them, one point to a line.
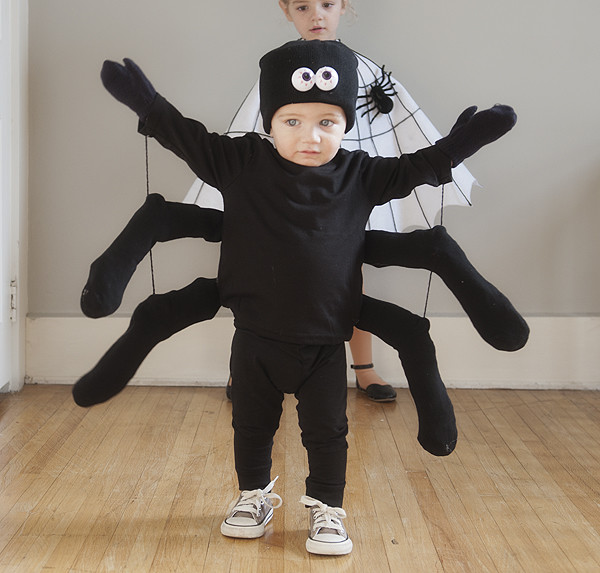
292	249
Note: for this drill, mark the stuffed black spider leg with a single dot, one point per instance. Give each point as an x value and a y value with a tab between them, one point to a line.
408	334
154	320
155	221
492	314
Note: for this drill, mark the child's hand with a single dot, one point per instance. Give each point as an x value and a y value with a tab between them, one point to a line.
129	85
474	130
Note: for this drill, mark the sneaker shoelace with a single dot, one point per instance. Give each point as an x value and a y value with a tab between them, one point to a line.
325	517
250	501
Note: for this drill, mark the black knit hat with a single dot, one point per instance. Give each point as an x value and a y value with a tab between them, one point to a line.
306	71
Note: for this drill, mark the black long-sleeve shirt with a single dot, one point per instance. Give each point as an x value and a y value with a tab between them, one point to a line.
293	236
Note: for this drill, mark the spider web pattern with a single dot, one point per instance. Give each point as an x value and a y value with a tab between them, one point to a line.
404	130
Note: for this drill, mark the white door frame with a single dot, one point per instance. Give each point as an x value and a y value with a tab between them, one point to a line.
13	196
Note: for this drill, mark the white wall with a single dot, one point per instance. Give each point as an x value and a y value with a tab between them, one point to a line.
13	195
560	354
532	229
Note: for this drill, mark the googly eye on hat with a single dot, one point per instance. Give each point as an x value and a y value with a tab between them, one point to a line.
303	79
306	71
327	79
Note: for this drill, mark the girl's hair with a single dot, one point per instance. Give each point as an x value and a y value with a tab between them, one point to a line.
349	7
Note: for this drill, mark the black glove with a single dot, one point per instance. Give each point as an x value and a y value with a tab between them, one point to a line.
129	85
474	130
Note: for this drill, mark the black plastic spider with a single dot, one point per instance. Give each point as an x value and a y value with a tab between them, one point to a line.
379	95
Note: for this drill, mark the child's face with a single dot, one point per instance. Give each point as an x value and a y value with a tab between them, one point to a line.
308	134
314	19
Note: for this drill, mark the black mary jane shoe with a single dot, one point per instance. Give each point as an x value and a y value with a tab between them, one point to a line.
375	392
228	389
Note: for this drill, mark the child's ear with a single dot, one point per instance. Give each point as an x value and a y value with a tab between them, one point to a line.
284	7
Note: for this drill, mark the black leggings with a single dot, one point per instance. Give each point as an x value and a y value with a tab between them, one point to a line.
264	370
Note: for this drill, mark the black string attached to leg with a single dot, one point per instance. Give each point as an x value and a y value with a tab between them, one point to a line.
431	272
147	194
427	294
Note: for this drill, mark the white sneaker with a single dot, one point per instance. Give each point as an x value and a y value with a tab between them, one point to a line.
326	535
248	515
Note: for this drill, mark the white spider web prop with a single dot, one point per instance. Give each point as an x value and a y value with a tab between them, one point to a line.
404	130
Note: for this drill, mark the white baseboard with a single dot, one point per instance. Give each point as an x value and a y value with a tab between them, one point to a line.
562	353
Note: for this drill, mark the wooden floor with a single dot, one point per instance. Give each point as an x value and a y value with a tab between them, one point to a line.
142	483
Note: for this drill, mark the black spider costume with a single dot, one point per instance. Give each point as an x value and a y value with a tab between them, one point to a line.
162	315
